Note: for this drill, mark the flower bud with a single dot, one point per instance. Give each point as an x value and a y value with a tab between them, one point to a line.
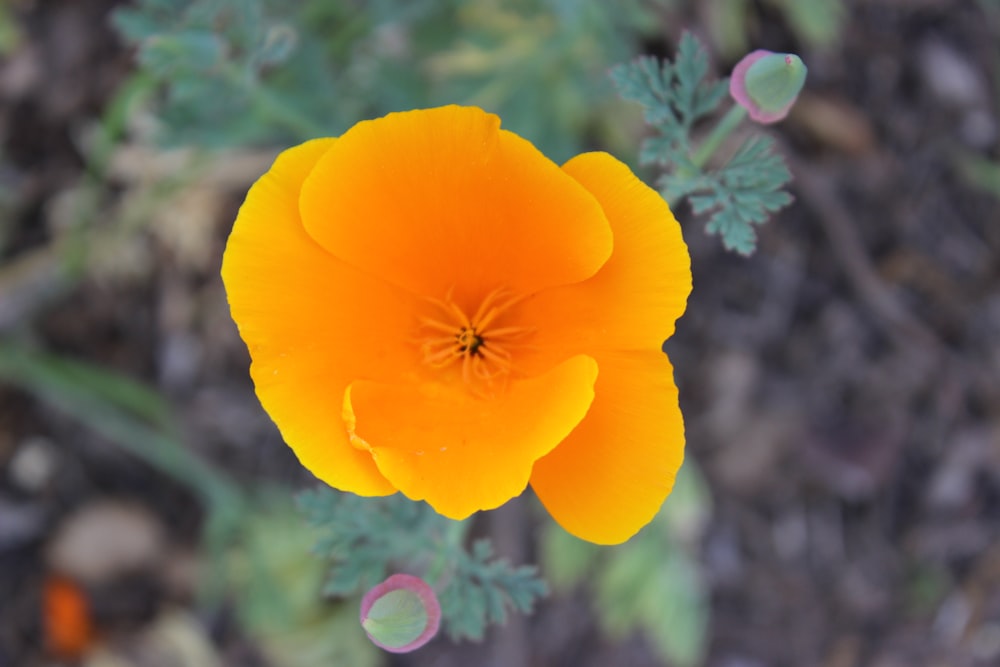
767	84
401	614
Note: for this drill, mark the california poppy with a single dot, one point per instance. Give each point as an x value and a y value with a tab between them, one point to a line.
434	307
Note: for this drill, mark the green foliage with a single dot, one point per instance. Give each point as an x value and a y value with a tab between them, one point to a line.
238	72
366	539
816	22
483	588
736	195
567	560
276	582
674	96
79	386
127	413
658	589
925	587
361	537
10	34
216	63
743	193
539	64
980	173
726	23
652	583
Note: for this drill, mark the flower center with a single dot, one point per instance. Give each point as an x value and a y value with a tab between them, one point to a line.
479	346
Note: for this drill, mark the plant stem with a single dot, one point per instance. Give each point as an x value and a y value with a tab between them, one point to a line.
686	173
121	411
451	543
722	130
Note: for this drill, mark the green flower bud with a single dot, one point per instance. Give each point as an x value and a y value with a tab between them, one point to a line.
401	614
767	84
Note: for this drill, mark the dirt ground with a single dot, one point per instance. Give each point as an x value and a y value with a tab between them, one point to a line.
841	388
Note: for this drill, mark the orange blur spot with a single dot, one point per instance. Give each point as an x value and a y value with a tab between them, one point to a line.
67	623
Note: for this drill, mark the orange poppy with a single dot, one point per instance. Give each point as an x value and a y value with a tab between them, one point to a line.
434	307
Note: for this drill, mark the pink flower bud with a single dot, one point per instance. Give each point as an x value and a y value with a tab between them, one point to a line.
401	614
767	84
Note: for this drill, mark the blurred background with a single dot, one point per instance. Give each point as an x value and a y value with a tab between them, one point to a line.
841	502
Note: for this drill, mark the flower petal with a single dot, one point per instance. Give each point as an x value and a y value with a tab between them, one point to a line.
312	324
437	199
633	301
462	453
610	476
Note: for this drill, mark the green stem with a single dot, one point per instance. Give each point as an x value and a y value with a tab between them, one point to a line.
722	130
451	543
118	409
689	172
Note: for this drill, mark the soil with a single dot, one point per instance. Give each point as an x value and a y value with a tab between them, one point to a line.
841	387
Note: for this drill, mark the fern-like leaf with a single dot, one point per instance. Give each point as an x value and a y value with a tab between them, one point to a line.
744	193
675	95
483	591
364	539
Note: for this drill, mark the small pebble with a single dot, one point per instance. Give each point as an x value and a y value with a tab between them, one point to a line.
33	464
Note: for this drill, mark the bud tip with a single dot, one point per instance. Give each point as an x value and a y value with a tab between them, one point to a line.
767	84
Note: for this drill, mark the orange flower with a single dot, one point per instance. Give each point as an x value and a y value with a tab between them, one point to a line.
434	307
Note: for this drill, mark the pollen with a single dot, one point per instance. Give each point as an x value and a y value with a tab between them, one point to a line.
482	347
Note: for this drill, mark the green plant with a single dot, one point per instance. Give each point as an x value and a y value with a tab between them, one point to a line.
815	23
365	539
676	96
235	72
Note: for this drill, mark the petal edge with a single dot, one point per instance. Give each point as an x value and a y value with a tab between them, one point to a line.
609	478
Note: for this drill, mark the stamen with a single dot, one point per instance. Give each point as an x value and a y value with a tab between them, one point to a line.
440	326
483	349
441	358
510	331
